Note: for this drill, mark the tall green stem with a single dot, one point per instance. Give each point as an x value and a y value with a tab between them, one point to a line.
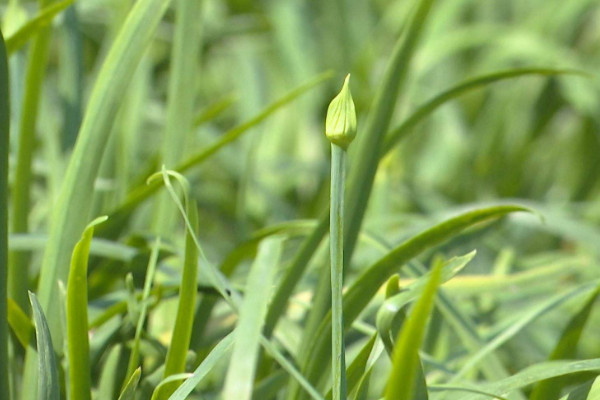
340	129
4	134
336	228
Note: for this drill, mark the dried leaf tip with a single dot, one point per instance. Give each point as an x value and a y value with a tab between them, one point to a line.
340	124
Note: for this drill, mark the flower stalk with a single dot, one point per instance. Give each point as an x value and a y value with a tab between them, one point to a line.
340	129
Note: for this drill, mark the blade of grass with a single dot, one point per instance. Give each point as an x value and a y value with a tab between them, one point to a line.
19	323
135	349
34	26
73	205
48	383
70	78
405	360
357	367
565	349
175	378
180	97
128	392
4	141
587	391
465	329
182	331
388	311
294	273
109	381
77	317
369	143
242	367
216	355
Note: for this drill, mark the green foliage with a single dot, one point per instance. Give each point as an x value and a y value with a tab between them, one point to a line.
4	155
197	127
48	383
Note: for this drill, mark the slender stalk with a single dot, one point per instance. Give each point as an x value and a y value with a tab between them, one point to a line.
340	129
4	133
336	228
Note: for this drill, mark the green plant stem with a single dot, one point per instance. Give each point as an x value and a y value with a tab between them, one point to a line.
21	197
336	229
4	139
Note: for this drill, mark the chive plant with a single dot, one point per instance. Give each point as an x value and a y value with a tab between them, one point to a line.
340	129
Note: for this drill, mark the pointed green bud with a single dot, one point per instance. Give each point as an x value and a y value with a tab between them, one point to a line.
340	124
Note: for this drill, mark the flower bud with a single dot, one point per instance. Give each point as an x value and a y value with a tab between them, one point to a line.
340	124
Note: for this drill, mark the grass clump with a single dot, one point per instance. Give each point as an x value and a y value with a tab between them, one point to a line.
196	127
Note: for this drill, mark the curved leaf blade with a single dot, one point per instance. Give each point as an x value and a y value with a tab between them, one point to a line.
405	360
48	383
18	39
77	317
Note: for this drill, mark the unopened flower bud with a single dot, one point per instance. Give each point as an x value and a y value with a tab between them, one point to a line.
340	124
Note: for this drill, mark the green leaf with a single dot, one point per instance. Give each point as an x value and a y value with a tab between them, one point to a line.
242	367
405	360
369	144
4	153
587	391
48	382
18	39
357	367
128	392
565	349
135	349
392	306
169	381
184	321
77	317
73	205
203	369
183	74
19	323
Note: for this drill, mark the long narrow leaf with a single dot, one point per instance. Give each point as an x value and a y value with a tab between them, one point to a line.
19	323
4	140
18	39
184	321
48	383
128	392
242	367
565	349
405	359
77	317
203	369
